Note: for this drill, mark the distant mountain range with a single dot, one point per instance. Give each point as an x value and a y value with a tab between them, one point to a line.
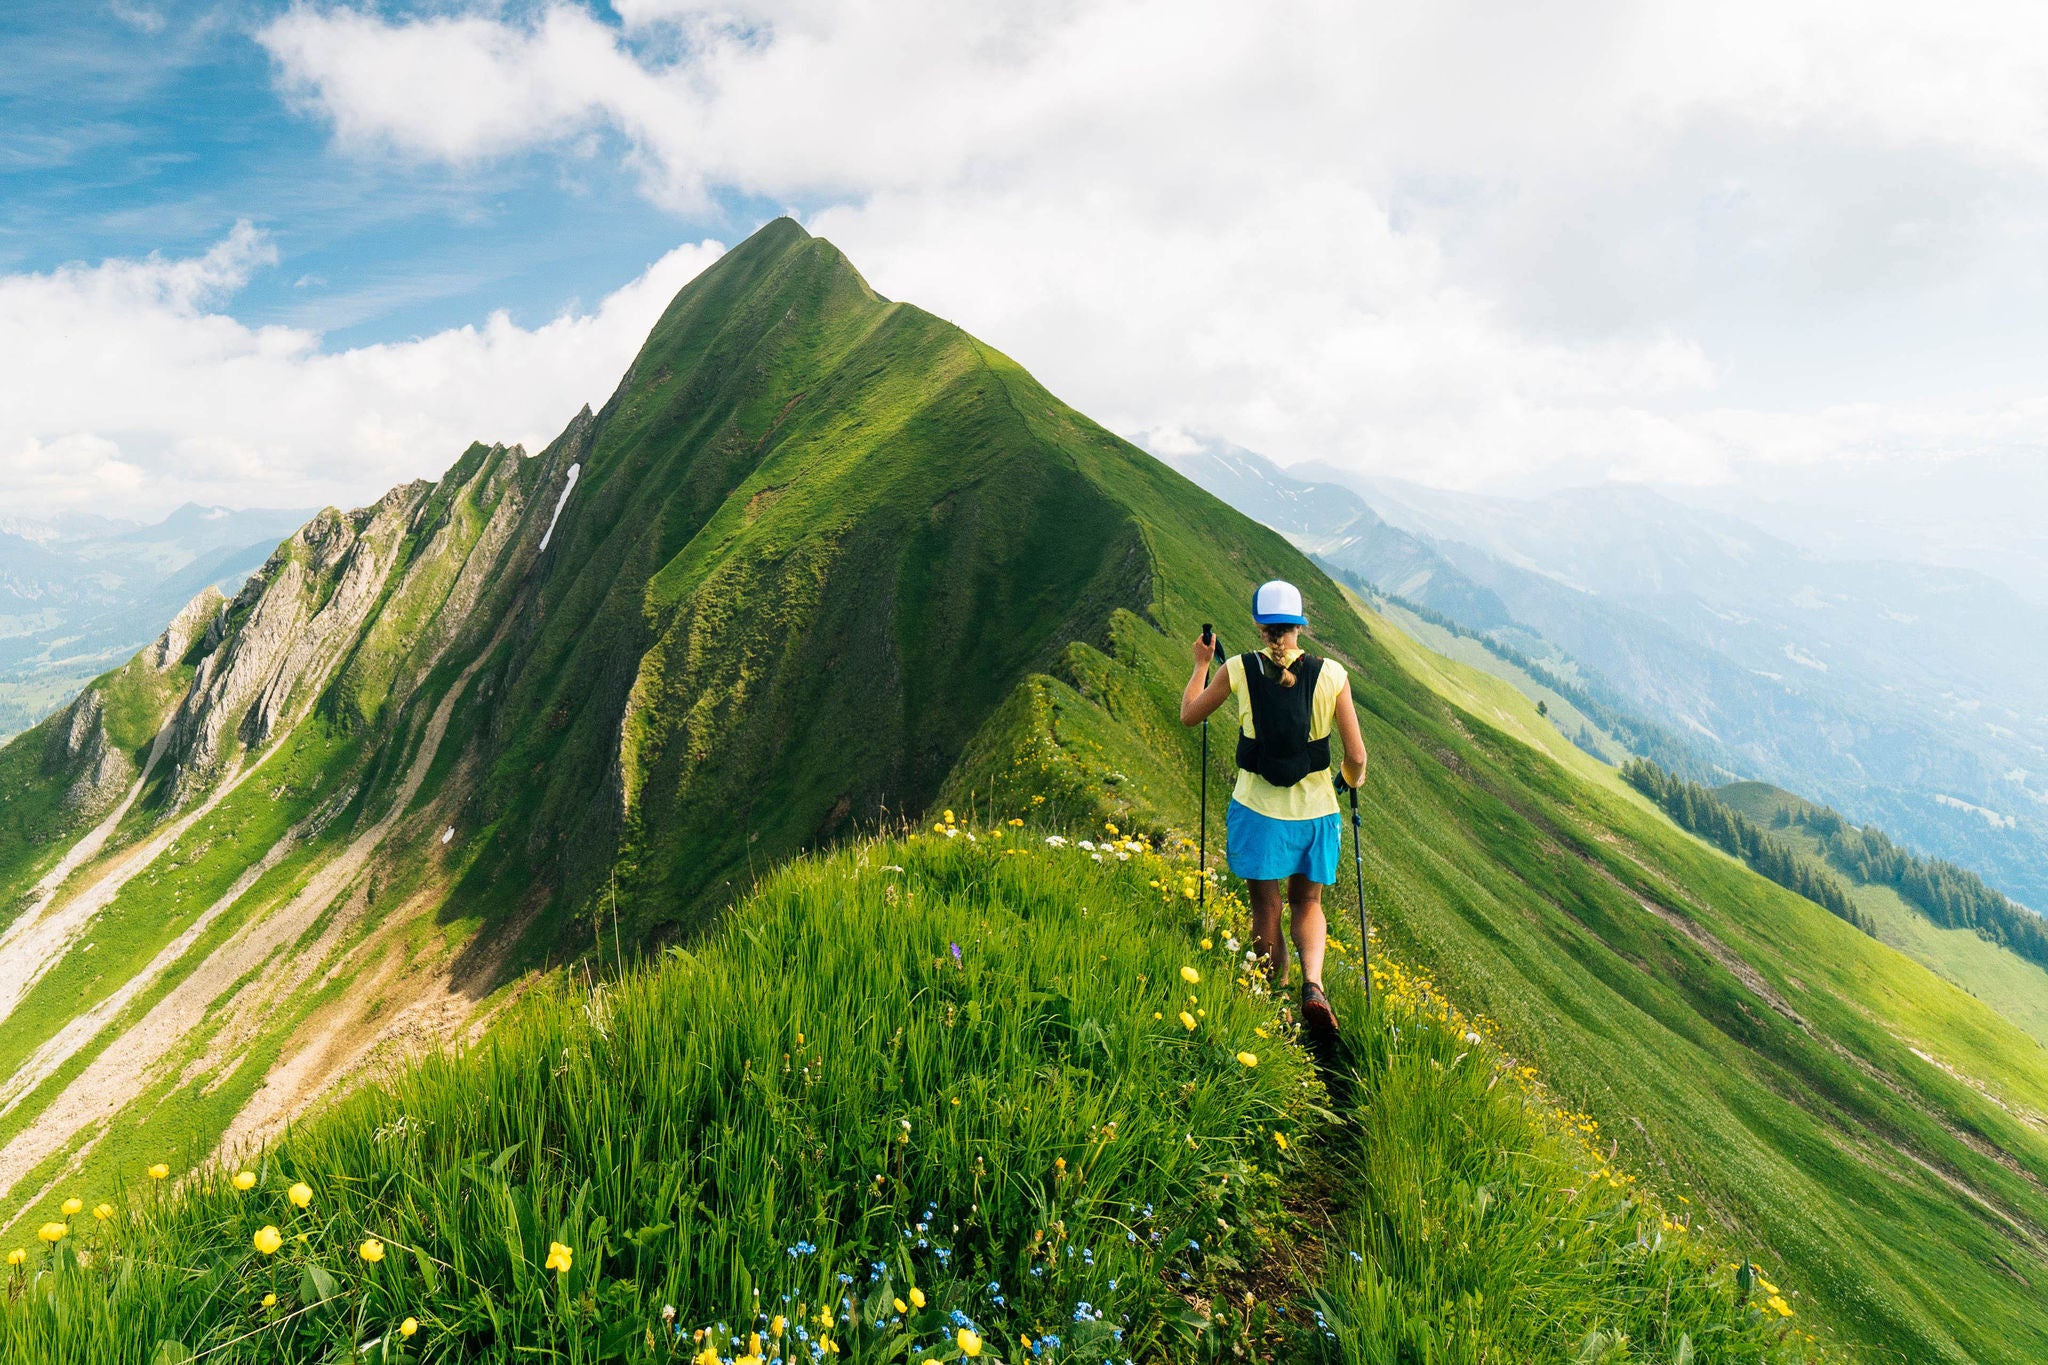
1906	695
825	565
79	594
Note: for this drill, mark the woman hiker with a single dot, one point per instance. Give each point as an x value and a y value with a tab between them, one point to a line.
1284	836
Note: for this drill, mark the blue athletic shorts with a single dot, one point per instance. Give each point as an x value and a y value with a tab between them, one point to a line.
1264	849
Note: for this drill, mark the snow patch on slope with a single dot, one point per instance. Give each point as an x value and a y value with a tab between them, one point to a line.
575	472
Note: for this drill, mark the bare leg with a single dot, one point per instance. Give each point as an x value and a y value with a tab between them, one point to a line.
1266	899
1305	900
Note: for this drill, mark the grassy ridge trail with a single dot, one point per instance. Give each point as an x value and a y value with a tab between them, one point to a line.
829	562
973	1093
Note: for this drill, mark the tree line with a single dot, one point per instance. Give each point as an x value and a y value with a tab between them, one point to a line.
1951	896
1698	809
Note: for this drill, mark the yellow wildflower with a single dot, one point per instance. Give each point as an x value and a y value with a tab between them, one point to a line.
1187	1021
1016	823
1191	976
52	1233
1247	1059
1280	1139
559	1258
707	1356
270	1300
17	1256
71	1206
103	1212
1782	1308
244	1180
408	1327
371	1250
159	1171
949	817
300	1194
754	1344
1207	944
968	1342
916	1297
775	1327
902	1307
268	1241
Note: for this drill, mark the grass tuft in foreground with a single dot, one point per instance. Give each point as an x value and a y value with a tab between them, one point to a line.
919	1100
1479	1220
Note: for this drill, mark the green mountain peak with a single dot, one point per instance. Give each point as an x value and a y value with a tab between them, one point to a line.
824	565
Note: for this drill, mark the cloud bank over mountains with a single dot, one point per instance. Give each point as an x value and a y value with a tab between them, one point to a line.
1472	245
131	391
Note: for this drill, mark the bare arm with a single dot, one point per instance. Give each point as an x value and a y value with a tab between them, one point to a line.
1347	730
1197	701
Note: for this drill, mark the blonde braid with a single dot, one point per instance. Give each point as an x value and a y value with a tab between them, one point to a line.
1276	650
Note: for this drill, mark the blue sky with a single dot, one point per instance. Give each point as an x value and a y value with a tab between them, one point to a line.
1781	257
155	127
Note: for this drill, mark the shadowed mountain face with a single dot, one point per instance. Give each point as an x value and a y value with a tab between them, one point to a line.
825	560
817	538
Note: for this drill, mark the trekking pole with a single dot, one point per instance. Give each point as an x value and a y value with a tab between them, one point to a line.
1358	866
1202	881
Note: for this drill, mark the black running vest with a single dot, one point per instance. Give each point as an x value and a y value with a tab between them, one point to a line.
1281	751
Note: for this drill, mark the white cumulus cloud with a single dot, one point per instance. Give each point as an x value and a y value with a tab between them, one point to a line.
131	388
1473	244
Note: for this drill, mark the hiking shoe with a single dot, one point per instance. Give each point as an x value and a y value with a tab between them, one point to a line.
1315	1008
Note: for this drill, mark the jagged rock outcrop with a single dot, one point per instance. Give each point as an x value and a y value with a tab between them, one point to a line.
194	622
80	745
278	643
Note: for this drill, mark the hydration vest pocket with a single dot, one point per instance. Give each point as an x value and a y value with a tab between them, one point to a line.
1281	752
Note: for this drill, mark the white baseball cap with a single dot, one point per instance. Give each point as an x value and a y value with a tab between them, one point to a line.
1278	603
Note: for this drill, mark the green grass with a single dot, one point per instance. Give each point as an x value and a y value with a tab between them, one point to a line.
1743	1048
1478	1223
1480	683
2007	982
832	563
824	1107
1439	647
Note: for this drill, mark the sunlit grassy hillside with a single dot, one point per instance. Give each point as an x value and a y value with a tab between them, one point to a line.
2015	987
826	562
965	1094
1812	1090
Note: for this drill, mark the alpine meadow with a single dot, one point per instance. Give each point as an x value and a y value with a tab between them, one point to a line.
724	888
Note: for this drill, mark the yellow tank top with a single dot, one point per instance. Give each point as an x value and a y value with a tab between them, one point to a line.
1315	795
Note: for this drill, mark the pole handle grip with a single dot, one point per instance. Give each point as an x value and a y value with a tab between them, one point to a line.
1208	633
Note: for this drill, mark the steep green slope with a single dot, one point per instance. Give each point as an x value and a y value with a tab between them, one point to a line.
822	561
815	543
2015	987
972	1106
768	592
1765	1059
